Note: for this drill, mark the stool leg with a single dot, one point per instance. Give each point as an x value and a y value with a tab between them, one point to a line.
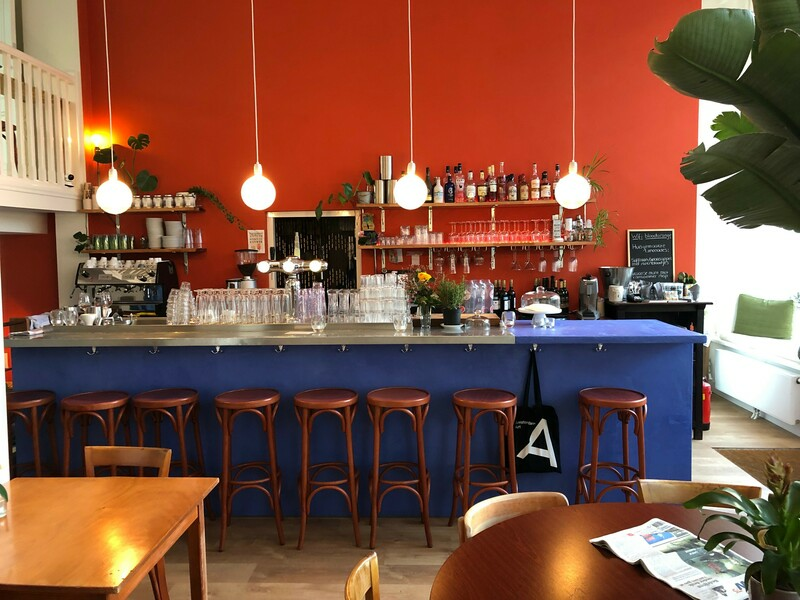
595	422
85	442
274	473
422	473
304	426
511	414
456	479
51	425
374	484
67	420
581	454
641	414
224	488
37	460
628	473
465	498
201	462
179	425
125	420
139	415
349	412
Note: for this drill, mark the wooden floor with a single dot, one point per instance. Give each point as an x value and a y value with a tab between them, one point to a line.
255	566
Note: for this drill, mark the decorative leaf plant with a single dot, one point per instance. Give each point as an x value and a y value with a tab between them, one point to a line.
603	219
347	194
752	61
141	182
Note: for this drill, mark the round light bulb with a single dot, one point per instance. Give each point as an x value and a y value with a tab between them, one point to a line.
263	266
410	191
258	192
573	191
288	266
315	266
113	196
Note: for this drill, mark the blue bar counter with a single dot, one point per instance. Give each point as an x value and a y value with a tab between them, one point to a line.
650	356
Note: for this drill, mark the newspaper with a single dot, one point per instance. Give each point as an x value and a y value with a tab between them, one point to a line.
677	557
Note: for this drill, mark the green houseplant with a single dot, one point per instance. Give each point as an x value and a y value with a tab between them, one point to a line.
450	294
602	219
771	525
758	154
348	193
141	182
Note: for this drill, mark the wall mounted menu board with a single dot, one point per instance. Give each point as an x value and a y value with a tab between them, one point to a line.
651	253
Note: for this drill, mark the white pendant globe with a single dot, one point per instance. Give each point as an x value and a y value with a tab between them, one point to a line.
410	191
258	192
113	196
573	191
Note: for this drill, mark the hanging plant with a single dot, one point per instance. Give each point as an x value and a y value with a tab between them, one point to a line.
212	197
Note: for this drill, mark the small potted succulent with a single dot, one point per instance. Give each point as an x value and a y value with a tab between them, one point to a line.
772	525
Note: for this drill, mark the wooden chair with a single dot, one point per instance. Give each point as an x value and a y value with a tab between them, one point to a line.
494	510
363	583
127	456
669	491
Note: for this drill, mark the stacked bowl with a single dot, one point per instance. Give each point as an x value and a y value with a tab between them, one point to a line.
174	234
155	230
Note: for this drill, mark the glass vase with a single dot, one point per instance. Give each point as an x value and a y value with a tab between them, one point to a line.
425	316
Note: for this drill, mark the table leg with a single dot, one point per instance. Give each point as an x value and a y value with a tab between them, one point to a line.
197	556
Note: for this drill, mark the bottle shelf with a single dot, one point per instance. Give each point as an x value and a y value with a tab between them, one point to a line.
183	209
480	245
146	251
510	203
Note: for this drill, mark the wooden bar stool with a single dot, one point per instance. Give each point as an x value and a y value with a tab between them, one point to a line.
108	407
414	403
34	408
503	474
596	406
179	406
309	405
263	403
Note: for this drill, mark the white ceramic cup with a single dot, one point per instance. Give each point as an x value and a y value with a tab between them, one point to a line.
616	293
88	318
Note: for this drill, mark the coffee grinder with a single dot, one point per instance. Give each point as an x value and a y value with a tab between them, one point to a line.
246	262
587	298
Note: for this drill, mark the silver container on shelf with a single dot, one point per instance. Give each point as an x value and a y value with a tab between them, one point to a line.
390	199
380	191
386	167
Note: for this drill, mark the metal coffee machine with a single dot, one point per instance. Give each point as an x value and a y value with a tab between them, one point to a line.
246	261
140	287
587	298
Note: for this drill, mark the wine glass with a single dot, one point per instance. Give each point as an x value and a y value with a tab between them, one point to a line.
528	264
84	302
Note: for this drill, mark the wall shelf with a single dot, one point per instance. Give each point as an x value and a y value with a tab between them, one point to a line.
509	203
183	209
480	245
145	251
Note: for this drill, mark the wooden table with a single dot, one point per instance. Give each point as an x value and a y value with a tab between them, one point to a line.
547	555
98	537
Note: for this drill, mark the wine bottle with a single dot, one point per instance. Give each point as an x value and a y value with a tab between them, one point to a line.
512	297
428	185
449	187
511	192
492	195
470	189
524	192
502	189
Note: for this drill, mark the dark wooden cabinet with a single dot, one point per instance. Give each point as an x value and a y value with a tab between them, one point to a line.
689	315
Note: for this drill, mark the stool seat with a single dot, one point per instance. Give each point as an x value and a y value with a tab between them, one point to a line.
89	401
247	398
606	397
165	396
325	398
34	408
398	397
499	477
262	475
482	398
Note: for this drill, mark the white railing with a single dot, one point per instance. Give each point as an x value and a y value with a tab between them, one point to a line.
39	113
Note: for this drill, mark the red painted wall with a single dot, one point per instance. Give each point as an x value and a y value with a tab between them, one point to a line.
489	85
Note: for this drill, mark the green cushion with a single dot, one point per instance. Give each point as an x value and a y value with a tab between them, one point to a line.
764	318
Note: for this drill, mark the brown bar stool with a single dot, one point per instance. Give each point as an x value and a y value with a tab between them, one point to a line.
414	403
596	406
309	405
179	406
34	408
108	407
263	403
486	401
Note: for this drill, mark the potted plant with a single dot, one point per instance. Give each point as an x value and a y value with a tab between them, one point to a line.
690	285
771	525
451	297
421	291
350	192
603	219
141	182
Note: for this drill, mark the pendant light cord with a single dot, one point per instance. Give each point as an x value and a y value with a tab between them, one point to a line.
255	89
573	80
108	81
410	87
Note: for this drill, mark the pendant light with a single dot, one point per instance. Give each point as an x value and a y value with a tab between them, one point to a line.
410	191
573	190
113	196
258	192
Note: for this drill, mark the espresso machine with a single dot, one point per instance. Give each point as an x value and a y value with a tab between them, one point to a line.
246	260
587	298
138	287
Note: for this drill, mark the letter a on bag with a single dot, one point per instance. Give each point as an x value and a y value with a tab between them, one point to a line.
536	439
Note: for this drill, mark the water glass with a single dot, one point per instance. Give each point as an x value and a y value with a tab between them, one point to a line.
400	321
507	319
318	323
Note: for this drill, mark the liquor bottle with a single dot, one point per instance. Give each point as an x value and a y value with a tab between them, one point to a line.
502	189
577	227
503	297
524	192
545	192
564	297
496	297
492	195
470	189
512	297
438	192
482	188
449	187
556	179
428	184
535	184
460	184
511	192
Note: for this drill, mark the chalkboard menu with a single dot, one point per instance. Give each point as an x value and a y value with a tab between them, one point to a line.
651	253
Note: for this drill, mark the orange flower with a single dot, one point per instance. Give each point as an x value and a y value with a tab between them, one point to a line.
423	276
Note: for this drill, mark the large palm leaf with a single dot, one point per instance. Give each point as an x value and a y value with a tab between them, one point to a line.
704	57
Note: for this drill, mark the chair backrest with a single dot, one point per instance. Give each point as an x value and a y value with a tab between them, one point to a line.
127	456
362	583
493	510
668	491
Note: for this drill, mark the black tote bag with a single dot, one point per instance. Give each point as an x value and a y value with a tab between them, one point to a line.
536	440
